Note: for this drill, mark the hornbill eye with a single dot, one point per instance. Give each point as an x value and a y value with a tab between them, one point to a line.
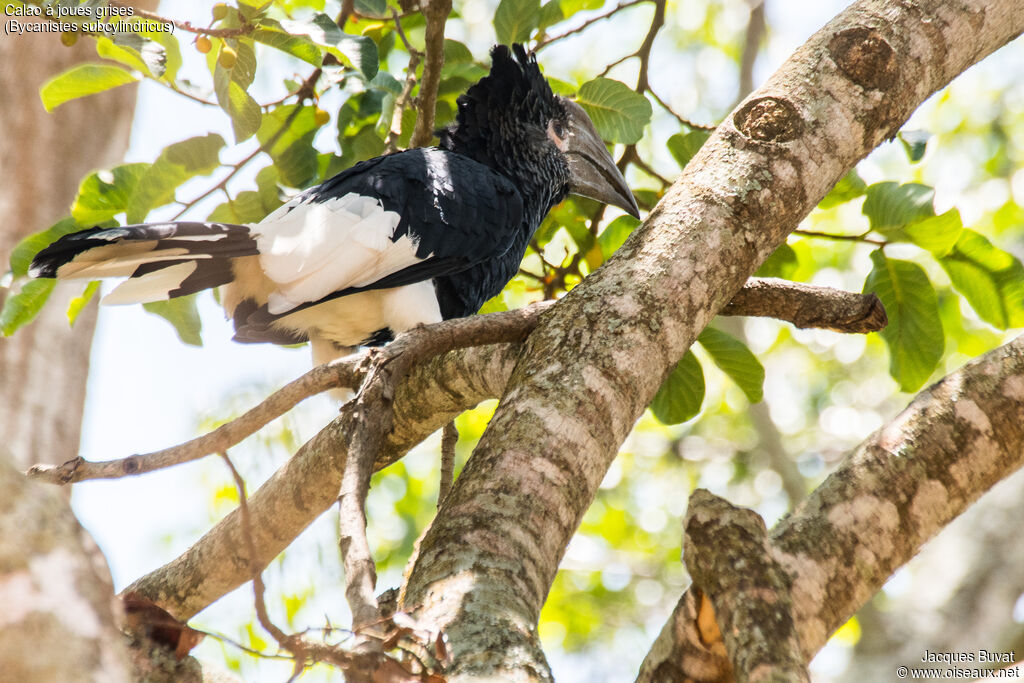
558	129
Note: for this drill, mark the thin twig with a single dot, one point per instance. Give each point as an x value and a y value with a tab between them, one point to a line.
187	26
436	13
305	91
348	8
582	27
258	588
681	119
367	433
752	39
644	53
340	373
862	237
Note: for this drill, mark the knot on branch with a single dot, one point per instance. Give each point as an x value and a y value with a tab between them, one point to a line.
769	119
864	57
726	552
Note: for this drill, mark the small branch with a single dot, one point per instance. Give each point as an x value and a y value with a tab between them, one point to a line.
593	20
726	552
631	156
401	102
305	91
863	237
187	26
367	419
258	588
808	306
348	8
449	438
752	39
317	380
436	13
685	121
644	53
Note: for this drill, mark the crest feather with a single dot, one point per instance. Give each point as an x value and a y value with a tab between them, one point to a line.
514	92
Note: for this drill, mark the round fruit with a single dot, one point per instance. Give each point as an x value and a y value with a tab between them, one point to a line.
69	38
203	44
321	117
227	57
220	10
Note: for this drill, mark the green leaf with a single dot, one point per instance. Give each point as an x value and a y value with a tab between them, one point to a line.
176	164
386	82
684	145
358	51
365	144
914	333
244	111
515	20
377	8
78	304
321	29
619	113
27	248
182	314
361	53
456	52
682	392
104	194
782	262
571	7
850	186
273	34
937	234
915	143
166	40
20	308
735	360
551	13
292	128
991	279
890	206
135	52
82	80
615	233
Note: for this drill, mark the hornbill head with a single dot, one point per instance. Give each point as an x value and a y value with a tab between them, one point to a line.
593	173
511	121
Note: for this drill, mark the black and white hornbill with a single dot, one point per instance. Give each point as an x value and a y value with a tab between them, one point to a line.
393	242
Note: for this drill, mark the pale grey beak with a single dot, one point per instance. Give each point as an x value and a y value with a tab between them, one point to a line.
593	171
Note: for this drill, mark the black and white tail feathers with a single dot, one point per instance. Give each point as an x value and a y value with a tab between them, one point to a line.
160	260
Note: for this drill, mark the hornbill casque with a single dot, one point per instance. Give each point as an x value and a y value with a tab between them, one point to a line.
404	239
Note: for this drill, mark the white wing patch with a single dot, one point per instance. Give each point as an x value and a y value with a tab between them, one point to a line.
155	286
316	249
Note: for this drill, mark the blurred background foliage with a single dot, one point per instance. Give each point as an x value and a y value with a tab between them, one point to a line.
932	222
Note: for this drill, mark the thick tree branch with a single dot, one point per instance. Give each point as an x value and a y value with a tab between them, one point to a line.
726	552
898	489
59	621
808	306
801	304
592	365
307	485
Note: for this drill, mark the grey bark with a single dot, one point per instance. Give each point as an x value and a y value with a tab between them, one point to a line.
585	375
897	490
